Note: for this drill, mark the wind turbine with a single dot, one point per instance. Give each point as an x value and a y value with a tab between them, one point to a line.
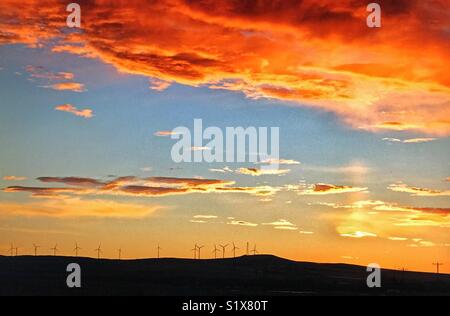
99	251
76	249
248	248
224	249
55	250
12	250
36	247
195	251
159	251
254	251
438	265
120	254
199	251
215	251
234	250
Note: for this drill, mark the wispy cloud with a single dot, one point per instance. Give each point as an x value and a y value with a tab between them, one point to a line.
354	168
410	141
69	108
14	178
287	162
358	234
40	72
254	172
75	207
242	223
326	189
67	86
133	186
398	238
381	214
206	217
165	133
223	170
61	81
159	85
283	224
416	191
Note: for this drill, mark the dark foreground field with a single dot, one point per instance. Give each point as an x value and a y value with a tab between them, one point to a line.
246	276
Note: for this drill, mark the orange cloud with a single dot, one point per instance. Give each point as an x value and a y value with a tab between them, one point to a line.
75	208
358	234
14	178
318	54
133	186
165	133
385	219
69	108
68	86
325	189
254	172
415	191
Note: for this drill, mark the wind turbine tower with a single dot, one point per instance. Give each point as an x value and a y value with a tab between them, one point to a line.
215	251
195	251
255	251
99	251
199	251
55	250
159	251
438	266
234	250
76	249
36	248
224	248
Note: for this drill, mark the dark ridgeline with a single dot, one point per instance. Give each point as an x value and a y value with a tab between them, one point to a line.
249	275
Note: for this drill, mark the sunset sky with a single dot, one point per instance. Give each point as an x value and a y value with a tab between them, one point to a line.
364	117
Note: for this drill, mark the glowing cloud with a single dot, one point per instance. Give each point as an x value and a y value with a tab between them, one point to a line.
393	78
14	178
325	189
262	172
358	234
78	208
415	191
133	186
165	133
280	162
68	86
159	85
69	108
242	223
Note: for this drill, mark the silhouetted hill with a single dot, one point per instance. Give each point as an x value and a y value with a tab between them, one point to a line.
254	275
